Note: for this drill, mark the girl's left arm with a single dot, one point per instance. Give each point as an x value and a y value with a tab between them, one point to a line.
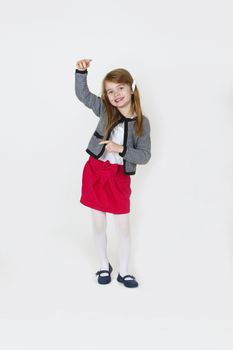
142	153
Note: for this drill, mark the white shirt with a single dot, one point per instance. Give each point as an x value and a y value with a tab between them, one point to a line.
116	136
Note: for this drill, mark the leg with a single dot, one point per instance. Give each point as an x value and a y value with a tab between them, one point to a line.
99	225
123	228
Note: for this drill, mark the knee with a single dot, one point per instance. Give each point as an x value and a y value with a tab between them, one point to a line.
99	228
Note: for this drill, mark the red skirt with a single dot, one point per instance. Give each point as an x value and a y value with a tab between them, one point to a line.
105	187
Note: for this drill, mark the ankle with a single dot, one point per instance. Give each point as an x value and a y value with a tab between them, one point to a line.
123	273
104	266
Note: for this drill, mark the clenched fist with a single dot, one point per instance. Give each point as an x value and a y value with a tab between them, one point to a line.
83	64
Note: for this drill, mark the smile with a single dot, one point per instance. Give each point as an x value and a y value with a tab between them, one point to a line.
119	99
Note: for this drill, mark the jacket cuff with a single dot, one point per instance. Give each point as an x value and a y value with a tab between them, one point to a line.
80	71
123	152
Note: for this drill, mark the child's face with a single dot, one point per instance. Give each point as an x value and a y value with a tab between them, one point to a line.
119	94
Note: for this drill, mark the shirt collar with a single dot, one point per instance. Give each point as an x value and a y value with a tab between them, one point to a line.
128	119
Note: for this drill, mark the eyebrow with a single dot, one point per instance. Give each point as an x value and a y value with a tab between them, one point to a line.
116	85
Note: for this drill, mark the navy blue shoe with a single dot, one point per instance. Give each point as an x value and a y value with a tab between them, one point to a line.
130	283
104	279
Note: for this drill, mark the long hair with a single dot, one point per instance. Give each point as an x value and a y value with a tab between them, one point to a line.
121	76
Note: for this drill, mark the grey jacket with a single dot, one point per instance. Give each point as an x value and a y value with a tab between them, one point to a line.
137	149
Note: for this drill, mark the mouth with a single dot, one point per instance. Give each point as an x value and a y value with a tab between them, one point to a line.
119	99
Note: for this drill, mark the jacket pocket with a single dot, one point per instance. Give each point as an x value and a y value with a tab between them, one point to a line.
98	135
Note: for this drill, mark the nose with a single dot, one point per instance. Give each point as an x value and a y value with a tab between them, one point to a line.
117	95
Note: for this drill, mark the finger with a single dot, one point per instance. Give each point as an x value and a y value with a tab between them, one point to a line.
86	60
78	65
83	64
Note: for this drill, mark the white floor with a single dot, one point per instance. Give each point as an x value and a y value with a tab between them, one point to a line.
50	300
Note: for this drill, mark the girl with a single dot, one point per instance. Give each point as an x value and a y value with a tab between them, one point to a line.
120	141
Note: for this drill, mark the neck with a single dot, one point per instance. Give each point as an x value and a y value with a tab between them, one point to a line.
127	112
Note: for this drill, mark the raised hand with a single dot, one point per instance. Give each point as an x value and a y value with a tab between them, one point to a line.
83	64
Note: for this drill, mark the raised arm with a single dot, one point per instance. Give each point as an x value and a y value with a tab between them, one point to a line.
83	93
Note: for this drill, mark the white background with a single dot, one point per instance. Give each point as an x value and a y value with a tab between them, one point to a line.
181	54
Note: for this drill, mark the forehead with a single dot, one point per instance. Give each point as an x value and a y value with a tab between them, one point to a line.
111	85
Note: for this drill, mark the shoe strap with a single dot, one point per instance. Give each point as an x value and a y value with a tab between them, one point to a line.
101	271
129	276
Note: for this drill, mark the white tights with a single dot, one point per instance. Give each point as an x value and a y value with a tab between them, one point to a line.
99	224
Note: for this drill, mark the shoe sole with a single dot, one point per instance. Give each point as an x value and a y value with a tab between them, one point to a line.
126	285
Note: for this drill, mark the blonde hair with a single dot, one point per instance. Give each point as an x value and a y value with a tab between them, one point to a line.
121	75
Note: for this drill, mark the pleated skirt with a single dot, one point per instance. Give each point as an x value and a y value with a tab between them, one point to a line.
105	186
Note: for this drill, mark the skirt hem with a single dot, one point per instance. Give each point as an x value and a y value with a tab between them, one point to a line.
112	211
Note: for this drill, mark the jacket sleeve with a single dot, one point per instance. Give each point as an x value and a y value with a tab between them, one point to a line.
84	95
141	154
